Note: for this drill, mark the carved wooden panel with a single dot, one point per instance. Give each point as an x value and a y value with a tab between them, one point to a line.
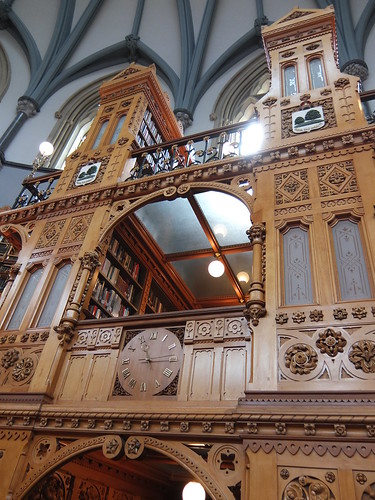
77	228
50	234
201	374
291	187
98	377
337	178
75	378
328	354
234	372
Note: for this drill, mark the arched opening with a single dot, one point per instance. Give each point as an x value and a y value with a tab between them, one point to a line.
158	256
118	467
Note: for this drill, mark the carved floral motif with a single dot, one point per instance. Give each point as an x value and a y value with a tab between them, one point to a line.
281	318
316	315
359	312
22	369
362	355
301	359
298	317
307	487
340	313
331	342
10	358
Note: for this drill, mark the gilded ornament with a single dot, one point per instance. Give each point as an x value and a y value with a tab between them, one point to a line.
284	473
340	429
330	477
361	478
370	430
281	318
316	315
340	313
298	317
280	428
301	359
184	426
362	355
206	427
108	424
229	427
347	139
145	425
252	428
331	342
293	151
359	312
309	429
164	426
10	358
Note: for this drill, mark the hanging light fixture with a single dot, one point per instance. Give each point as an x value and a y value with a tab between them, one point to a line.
220	230
193	491
243	277
216	268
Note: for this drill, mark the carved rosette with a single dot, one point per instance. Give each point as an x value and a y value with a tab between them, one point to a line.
362	355
307	487
331	342
301	359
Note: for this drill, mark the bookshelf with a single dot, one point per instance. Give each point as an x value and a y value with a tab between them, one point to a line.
121	287
148	133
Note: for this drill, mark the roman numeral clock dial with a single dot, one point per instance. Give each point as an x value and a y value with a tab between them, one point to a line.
149	362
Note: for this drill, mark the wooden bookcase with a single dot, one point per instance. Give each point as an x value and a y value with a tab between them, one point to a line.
126	285
148	133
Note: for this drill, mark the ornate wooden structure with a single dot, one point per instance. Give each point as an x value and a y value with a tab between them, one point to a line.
268	396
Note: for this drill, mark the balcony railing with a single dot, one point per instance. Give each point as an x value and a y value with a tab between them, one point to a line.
37	189
188	151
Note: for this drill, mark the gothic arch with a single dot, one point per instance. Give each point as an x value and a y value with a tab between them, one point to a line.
243	90
185	457
4	72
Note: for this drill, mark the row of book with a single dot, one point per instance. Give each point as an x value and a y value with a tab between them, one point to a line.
124	258
110	299
99	313
155	303
151	126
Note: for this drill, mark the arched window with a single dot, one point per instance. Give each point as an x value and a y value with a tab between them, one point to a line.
316	73
100	134
118	128
350	261
24	300
54	295
290	80
297	268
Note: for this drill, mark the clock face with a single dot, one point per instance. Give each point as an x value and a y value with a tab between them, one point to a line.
149	362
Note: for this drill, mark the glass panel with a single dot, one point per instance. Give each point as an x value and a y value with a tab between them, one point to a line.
316	73
54	296
227	216
350	261
100	134
25	299
290	80
241	262
194	273
297	272
118	128
173	226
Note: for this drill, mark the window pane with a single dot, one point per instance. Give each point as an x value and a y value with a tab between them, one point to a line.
54	296
290	80
297	272
24	301
350	261
118	128
316	73
100	134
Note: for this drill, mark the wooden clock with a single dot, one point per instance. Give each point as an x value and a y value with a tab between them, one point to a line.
149	362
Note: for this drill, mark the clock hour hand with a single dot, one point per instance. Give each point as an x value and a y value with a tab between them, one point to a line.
146	348
160	358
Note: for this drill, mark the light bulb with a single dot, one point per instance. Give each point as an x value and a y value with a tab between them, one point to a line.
216	268
193	491
46	148
220	230
243	276
252	138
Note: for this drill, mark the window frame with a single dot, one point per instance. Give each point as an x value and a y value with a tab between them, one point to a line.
308	61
